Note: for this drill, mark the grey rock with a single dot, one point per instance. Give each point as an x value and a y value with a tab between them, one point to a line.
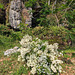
15	13
29	20
16	9
11	51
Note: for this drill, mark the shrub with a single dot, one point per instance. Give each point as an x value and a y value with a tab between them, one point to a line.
54	34
39	56
70	16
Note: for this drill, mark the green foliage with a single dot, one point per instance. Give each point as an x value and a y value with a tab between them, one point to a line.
71	34
16	36
70	16
8	37
73	54
43	21
52	20
66	56
4	30
1	6
53	34
21	70
69	50
30	3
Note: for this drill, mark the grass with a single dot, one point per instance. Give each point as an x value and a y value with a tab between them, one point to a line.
9	65
69	53
69	61
69	50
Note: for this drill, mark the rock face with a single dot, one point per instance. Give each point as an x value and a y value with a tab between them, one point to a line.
27	15
15	13
29	20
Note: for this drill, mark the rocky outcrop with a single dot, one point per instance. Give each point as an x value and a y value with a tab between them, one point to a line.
27	16
15	13
15	18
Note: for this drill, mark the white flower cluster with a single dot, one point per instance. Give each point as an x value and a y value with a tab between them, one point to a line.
39	56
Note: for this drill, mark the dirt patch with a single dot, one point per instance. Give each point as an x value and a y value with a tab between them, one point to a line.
69	69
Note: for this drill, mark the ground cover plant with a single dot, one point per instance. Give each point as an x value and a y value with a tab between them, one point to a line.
39	56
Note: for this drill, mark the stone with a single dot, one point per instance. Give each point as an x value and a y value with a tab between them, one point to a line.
27	15
11	51
17	9
15	13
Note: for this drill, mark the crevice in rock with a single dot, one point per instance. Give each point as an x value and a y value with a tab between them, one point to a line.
36	14
2	16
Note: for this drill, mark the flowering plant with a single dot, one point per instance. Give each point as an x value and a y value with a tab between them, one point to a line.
39	56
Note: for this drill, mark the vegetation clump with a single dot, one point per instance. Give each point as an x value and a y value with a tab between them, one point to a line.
39	56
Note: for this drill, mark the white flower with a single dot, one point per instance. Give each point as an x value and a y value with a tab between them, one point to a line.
60	69
37	38
31	52
38	46
45	43
55	46
19	58
53	68
26	39
28	64
39	52
23	51
57	62
23	59
50	47
35	49
33	71
27	57
52	57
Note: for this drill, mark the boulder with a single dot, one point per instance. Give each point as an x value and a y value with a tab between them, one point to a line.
15	13
11	51
27	16
16	9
